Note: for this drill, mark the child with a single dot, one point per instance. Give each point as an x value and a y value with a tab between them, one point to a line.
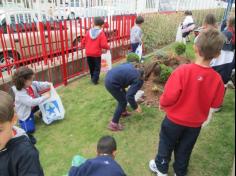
18	156
104	164
188	96
117	80
225	64
136	34
95	42
188	25
27	97
210	21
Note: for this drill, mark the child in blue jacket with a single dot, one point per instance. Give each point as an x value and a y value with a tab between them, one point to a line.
117	80
104	164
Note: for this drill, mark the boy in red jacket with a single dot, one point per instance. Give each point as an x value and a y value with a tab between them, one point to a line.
189	94
95	42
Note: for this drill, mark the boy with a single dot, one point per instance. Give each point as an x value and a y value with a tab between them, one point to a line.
188	96
104	164
95	42
18	156
136	34
117	80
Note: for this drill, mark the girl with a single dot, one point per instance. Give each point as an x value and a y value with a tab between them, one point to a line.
27	97
188	25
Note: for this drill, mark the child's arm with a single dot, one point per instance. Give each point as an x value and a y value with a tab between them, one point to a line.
219	96
130	96
29	163
41	86
27	100
78	171
104	43
172	90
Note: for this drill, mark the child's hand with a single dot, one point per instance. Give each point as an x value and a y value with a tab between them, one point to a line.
47	95
139	110
104	51
161	108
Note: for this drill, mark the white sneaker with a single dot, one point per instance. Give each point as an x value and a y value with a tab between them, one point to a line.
153	168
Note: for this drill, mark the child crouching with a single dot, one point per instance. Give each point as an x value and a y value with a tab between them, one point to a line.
27	97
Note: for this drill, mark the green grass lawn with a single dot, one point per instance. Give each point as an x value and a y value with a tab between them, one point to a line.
89	109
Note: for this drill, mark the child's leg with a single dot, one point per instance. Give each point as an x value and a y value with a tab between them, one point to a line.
29	124
90	61
120	96
134	47
97	69
184	149
169	136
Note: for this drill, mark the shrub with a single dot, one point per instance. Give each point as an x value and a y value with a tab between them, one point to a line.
132	57
165	73
180	48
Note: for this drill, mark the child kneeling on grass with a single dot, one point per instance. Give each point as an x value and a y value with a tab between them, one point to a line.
27	97
104	164
117	80
189	94
95	42
18	156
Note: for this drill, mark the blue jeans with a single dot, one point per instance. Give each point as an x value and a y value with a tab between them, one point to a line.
178	139
120	95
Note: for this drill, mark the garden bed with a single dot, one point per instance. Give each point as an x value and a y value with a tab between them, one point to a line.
154	85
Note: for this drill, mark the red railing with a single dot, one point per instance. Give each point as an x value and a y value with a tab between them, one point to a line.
52	50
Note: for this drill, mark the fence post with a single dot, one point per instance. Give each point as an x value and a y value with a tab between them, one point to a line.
64	65
42	35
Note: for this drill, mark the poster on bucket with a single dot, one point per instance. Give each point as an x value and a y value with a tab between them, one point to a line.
106	62
52	109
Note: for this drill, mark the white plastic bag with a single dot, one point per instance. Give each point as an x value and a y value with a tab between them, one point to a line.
52	109
106	62
139	51
179	36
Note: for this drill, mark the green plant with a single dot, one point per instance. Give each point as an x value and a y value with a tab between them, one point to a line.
180	48
165	73
132	57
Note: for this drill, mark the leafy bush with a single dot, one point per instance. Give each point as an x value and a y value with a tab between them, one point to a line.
165	73
180	48
132	57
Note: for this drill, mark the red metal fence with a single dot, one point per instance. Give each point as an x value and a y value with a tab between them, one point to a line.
51	49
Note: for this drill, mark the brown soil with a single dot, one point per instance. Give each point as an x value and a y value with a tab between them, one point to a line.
152	88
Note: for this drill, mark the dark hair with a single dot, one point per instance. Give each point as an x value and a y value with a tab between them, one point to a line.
231	21
106	145
188	12
139	20
210	19
210	43
6	107
98	21
21	75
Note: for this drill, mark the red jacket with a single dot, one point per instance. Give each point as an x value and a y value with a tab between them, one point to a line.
189	94
94	41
